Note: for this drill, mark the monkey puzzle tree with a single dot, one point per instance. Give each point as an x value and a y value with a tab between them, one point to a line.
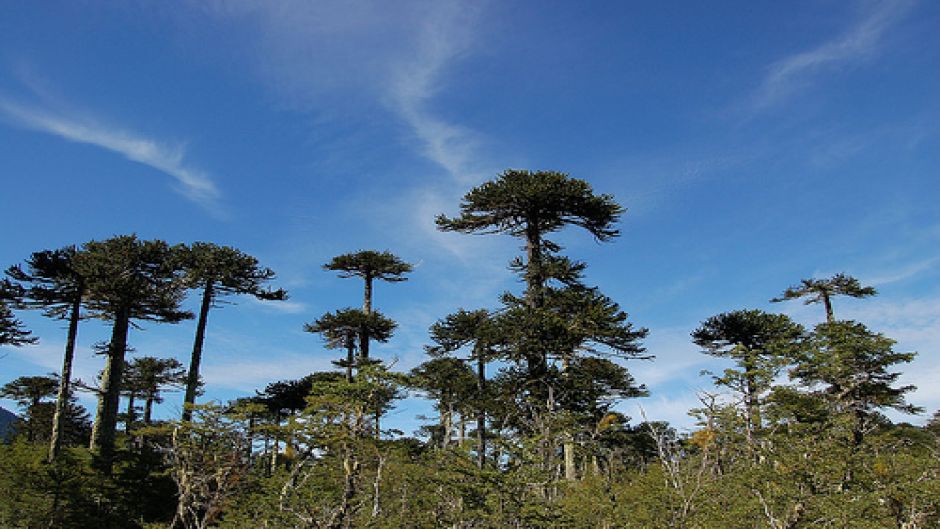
52	282
451	383
219	271
340	330
823	290
530	205
457	331
852	365
549	320
128	279
760	344
29	392
146	377
369	265
12	331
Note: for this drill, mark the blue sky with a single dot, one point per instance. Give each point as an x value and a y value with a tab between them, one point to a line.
753	144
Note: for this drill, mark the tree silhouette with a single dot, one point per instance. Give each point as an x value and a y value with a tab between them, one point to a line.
219	271
128	279
340	330
369	265
52	282
761	344
530	205
12	331
461	329
823	290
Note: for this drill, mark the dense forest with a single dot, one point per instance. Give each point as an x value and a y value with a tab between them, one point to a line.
527	432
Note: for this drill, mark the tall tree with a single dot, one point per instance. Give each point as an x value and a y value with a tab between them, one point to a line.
219	271
342	328
52	282
823	290
759	343
369	265
531	205
461	329
128	279
853	366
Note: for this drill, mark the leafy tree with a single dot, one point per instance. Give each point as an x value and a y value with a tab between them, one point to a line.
458	330
29	393
760	344
12	331
823	290
147	377
128	279
369	265
219	271
51	281
853	366
340	330
451	383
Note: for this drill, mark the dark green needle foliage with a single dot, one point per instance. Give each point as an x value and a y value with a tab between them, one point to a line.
219	271
823	290
149	377
52	282
854	367
369	265
452	385
12	331
760	344
128	279
342	328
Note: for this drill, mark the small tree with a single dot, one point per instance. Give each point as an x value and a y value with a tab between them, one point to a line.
219	271
12	331
759	343
852	364
342	328
369	265
823	290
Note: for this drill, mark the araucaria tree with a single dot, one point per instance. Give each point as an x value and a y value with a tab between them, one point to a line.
128	279
558	317
219	271
52	282
12	331
341	329
760	344
369	265
823	290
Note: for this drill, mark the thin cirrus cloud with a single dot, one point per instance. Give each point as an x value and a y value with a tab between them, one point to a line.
790	74
193	184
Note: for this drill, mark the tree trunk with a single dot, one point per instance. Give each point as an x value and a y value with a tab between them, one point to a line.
148	408
367	310
103	431
192	379
571	472
481	412
130	413
58	419
828	304
350	359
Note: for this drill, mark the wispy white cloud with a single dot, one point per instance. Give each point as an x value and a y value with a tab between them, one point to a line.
860	41
194	184
444	36
286	307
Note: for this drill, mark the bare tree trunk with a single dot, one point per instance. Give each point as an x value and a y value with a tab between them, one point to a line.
104	429
65	379
192	378
481	412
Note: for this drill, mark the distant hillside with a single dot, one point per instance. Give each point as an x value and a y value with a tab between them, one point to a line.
7	418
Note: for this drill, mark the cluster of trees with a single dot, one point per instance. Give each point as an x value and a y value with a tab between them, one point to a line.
527	433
